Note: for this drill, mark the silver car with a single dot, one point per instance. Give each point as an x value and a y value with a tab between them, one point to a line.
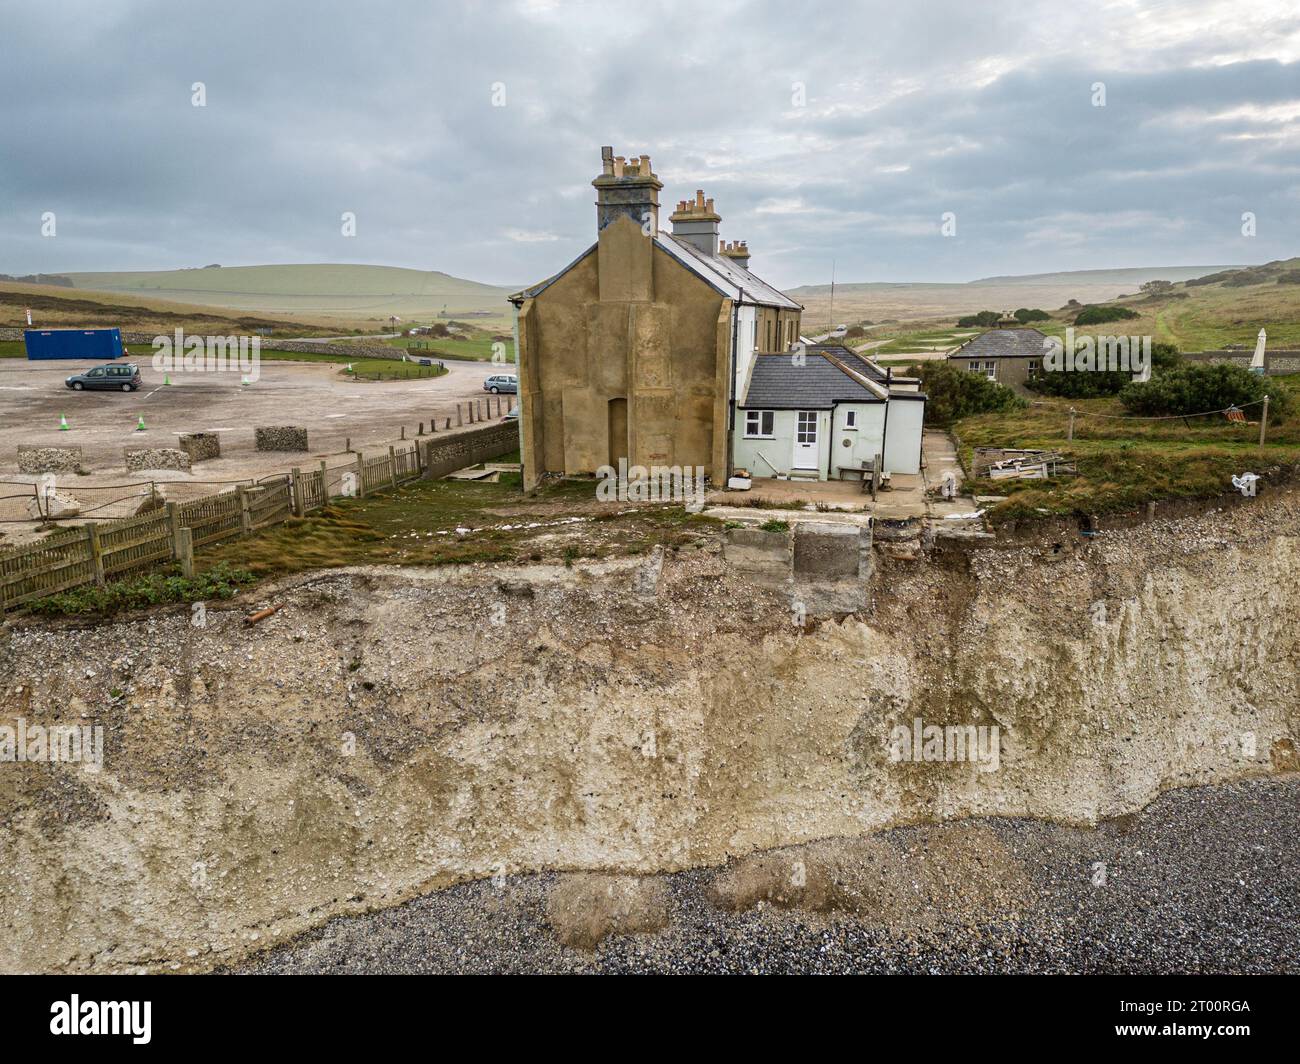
501	382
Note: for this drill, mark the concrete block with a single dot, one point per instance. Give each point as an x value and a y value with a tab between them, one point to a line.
826	551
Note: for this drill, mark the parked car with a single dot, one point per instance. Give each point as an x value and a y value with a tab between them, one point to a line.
118	376
501	382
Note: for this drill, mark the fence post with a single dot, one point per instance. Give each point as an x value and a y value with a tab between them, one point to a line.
433	425
245	515
1069	433
185	551
295	480
459	422
361	477
96	552
392	467
1263	422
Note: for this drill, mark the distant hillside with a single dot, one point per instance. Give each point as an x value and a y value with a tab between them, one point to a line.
1223	307
906	302
357	293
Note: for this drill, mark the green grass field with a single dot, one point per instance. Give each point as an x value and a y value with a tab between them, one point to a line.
356	292
1124	463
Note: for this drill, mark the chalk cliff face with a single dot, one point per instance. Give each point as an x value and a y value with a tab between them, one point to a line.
390	731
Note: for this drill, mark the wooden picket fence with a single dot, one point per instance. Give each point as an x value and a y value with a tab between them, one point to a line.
95	553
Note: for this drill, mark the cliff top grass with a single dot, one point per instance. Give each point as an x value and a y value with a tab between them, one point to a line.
1122	462
445	522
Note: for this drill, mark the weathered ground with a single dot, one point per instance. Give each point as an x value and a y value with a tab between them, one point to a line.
393	731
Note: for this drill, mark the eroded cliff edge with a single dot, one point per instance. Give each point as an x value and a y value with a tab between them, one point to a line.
390	731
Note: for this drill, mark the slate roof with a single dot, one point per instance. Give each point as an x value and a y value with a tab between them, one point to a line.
1003	343
724	273
778	383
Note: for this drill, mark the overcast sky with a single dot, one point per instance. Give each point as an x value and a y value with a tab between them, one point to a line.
823	131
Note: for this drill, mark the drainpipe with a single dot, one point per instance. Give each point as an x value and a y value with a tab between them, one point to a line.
884	432
519	390
731	387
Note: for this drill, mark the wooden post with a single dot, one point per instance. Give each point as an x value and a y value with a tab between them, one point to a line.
299	506
347	444
1069	433
433	425
392	467
245	515
459	422
96	552
1263	422
185	551
447	426
361	480
420	431
403	432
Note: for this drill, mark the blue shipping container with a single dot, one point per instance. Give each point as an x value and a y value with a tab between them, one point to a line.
73	343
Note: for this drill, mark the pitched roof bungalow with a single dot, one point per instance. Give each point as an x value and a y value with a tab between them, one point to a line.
647	347
1007	355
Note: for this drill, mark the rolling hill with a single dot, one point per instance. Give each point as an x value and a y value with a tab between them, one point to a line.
914	302
358	295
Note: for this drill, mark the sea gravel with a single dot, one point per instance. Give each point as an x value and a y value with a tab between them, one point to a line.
1205	879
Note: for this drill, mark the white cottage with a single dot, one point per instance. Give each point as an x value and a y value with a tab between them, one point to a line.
822	411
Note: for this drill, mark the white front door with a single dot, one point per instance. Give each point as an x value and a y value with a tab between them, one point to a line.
805	441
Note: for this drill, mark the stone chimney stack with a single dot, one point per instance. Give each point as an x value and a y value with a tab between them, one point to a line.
737	251
696	222
626	191
626	187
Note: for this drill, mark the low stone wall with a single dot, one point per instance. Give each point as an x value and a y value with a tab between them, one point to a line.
142	458
33	459
469	448
280	438
1276	363
201	446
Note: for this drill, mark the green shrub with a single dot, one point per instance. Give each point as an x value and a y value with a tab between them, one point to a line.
1194	388
1096	385
773	525
1025	315
954	393
1094	314
219	582
985	319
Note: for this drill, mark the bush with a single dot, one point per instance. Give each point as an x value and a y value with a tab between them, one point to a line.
1094	385
1093	314
954	393
1194	388
1025	315
985	319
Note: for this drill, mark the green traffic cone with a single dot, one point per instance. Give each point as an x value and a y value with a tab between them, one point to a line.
139	425
63	423
167	378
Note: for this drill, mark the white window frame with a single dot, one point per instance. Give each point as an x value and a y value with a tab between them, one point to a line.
991	370
851	420
974	367
760	416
